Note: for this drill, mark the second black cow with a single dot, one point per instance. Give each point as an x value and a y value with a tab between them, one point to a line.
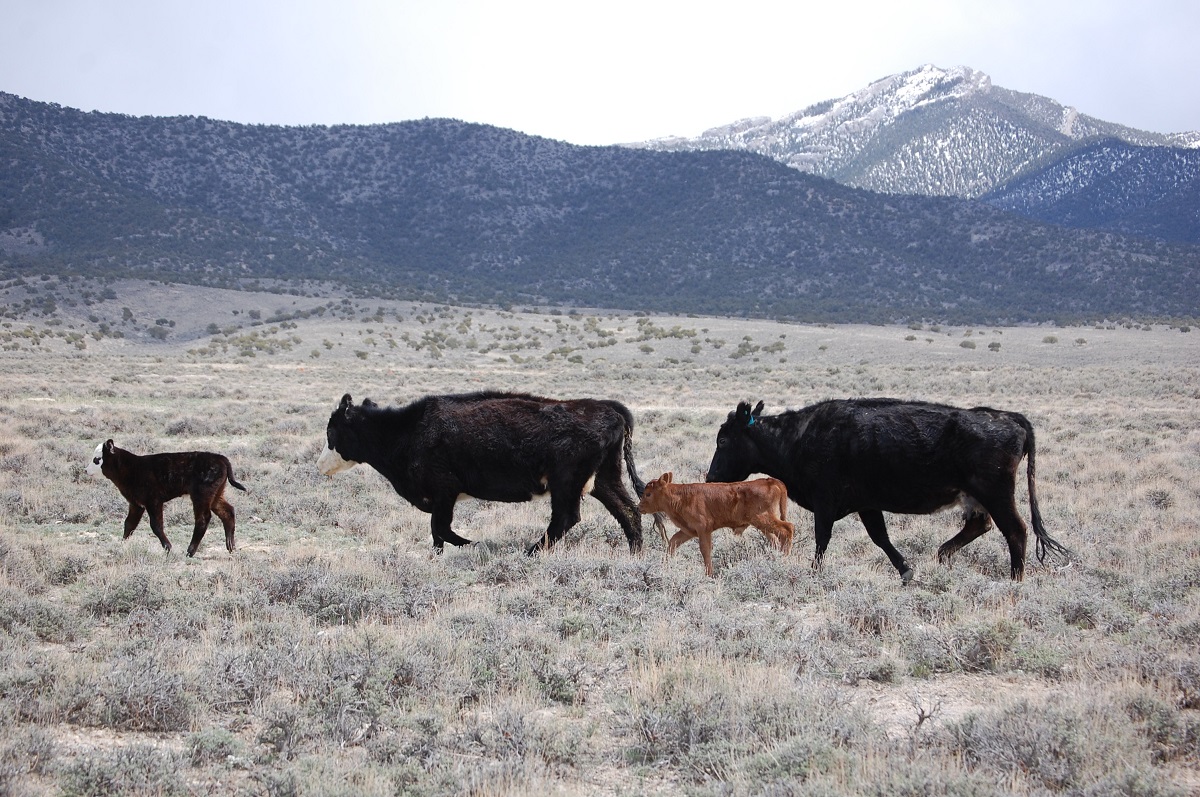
497	447
870	456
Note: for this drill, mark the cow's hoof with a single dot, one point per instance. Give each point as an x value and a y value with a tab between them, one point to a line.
906	576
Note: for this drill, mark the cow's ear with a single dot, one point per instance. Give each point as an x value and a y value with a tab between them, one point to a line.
757	410
347	402
368	403
742	412
108	446
668	477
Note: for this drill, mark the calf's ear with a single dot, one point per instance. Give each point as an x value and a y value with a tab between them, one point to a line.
668	477
108	446
346	402
757	410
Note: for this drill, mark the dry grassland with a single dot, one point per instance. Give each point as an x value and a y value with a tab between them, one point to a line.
333	654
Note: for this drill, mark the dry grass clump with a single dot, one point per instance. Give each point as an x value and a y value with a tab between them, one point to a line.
334	654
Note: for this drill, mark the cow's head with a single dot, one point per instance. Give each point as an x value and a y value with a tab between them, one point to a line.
654	497
737	455
96	464
341	439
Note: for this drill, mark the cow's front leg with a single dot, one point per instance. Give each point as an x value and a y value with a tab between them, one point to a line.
440	519
822	532
877	530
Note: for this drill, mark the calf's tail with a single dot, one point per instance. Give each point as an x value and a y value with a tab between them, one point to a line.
230	479
1044	541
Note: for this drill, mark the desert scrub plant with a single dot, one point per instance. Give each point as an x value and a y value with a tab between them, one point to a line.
329	596
145	690
46	620
1060	747
711	718
134	769
123	594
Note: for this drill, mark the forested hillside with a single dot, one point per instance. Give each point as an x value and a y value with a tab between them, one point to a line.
471	213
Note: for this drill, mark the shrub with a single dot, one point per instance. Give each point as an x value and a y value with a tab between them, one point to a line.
212	746
137	769
134	591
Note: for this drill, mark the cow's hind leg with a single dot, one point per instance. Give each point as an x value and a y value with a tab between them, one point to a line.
564	513
976	522
1013	529
616	499
877	530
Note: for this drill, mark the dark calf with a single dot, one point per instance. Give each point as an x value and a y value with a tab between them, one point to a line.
148	482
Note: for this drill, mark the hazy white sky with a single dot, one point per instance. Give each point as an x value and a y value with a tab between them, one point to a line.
584	71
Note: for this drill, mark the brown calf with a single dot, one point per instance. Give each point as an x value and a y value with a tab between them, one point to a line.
700	509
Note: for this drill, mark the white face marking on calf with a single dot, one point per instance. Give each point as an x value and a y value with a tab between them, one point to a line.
93	468
331	462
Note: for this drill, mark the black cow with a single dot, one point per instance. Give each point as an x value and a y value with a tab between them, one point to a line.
496	447
872	456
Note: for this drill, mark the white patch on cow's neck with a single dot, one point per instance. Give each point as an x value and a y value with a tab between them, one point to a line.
331	462
93	468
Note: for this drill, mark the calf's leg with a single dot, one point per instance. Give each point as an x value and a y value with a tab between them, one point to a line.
224	510
677	539
778	531
203	516
133	518
706	551
156	525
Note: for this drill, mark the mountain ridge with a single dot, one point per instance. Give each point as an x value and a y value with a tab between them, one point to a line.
929	131
472	213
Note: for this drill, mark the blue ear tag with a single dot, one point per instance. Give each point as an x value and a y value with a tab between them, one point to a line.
751	421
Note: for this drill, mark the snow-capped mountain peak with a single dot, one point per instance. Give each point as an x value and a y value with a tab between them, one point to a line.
929	131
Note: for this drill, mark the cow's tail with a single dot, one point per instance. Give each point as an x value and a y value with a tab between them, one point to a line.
1044	541
639	486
